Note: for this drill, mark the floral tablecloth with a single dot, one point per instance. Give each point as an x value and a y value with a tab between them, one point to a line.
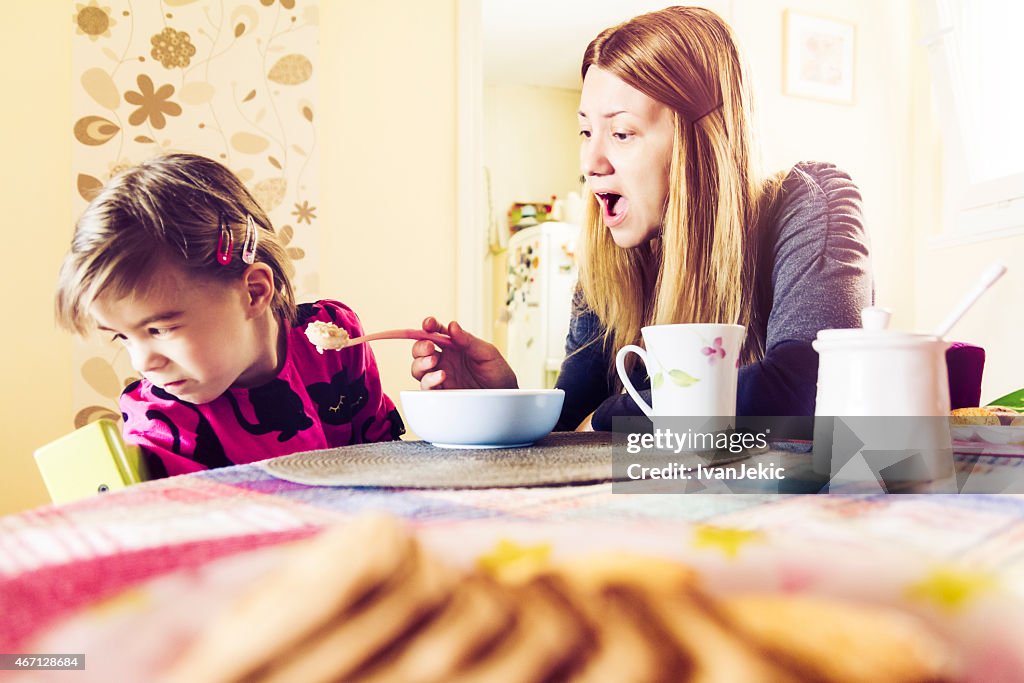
127	578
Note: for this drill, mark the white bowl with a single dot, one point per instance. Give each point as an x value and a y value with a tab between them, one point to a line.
482	418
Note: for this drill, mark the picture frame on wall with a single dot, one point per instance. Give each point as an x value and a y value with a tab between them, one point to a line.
818	57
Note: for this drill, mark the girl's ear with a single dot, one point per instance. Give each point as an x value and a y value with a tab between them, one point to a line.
258	280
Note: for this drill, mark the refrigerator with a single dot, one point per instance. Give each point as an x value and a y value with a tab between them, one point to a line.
541	280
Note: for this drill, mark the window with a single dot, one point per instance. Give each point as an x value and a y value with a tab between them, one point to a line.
976	58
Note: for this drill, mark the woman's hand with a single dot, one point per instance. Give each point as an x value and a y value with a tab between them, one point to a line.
471	363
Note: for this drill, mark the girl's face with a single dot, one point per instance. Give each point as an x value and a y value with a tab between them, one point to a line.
194	337
625	155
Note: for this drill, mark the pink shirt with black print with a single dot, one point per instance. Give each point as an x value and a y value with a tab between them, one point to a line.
316	401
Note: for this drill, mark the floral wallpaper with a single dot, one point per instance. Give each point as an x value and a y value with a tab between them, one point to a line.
234	80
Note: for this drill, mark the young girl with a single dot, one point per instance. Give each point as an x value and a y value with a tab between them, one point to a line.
176	260
681	228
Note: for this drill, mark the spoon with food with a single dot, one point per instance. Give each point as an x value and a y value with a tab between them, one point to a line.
333	338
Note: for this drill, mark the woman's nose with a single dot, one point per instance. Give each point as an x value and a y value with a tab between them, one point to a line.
593	160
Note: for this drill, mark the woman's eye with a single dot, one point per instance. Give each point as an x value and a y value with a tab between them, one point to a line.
159	331
119	337
585	133
622	136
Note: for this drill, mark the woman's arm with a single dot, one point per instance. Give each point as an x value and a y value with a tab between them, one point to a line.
584	374
820	278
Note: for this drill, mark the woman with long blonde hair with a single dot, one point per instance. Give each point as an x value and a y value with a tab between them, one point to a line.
681	228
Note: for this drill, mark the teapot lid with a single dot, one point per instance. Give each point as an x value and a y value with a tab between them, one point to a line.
874	332
875	318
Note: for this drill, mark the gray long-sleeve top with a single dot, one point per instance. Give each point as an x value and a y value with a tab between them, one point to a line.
813	273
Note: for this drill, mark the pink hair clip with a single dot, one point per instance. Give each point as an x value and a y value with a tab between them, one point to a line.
225	243
252	238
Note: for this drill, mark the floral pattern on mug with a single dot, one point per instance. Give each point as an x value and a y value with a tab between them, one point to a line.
715	351
682	379
678	377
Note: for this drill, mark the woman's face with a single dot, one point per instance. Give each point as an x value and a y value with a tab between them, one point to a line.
625	154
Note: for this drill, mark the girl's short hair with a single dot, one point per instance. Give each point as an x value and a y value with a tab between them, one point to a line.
168	209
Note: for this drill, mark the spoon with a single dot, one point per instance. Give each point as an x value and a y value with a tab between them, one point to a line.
437	338
328	336
988	278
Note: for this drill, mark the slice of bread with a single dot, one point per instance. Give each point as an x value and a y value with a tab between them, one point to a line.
319	580
544	641
365	602
371	627
834	640
478	615
967	417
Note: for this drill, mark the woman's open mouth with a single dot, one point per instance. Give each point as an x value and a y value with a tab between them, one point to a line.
615	207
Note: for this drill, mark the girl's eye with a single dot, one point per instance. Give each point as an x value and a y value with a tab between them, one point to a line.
119	337
622	137
585	133
159	331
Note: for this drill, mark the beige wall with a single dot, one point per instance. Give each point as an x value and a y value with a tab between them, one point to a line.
870	138
531	149
35	192
388	98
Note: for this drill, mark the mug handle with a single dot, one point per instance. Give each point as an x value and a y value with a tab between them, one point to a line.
620	367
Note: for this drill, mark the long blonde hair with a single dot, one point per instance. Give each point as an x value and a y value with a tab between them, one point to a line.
702	266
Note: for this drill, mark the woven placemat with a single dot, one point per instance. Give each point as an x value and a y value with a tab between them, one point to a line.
559	458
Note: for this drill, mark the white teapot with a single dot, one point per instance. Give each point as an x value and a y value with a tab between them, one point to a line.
877	371
888	393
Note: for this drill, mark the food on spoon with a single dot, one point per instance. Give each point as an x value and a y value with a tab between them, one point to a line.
326	336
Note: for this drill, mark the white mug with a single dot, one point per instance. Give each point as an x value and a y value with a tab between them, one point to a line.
693	369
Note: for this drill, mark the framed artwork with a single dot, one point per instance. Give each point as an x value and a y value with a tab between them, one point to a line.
818	57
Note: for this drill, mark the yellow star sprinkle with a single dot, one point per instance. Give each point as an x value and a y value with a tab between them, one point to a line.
509	557
951	588
729	541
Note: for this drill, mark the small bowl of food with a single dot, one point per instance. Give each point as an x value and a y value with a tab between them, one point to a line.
482	418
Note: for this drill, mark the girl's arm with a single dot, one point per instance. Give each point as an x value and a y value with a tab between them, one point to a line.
376	418
170	433
379	419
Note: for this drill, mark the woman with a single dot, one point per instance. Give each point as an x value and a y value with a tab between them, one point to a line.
681	229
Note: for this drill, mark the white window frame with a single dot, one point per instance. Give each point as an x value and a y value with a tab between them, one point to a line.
973	211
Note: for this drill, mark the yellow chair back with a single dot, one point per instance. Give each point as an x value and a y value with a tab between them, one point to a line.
92	459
